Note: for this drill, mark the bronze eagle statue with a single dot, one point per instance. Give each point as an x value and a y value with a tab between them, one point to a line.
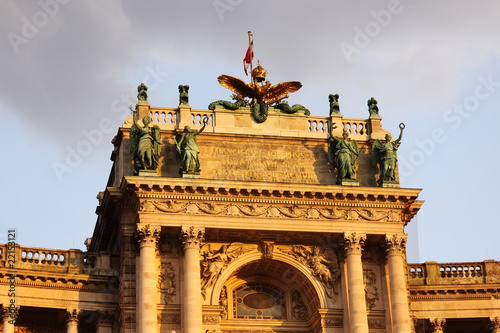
260	93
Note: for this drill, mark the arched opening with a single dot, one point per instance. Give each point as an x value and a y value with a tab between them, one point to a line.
268	295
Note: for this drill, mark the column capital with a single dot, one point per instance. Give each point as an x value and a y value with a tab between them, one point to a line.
104	318
147	235
192	236
10	313
495	324
72	315
438	324
354	242
396	244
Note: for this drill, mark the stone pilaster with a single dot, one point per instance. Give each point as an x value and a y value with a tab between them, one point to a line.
72	321
396	257
192	311
9	316
438	325
147	276
358	317
104	322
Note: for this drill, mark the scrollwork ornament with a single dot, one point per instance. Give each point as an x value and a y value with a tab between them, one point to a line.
396	244
354	243
192	236
147	236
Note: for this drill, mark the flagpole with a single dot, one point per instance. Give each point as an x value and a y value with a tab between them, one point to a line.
249	43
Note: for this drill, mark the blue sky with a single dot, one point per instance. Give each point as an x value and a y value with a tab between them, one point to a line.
70	70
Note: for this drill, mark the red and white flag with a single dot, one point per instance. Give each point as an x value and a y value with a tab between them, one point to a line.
247	62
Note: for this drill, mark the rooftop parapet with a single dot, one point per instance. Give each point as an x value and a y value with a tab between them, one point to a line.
56	261
433	273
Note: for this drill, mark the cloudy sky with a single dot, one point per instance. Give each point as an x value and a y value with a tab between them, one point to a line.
70	69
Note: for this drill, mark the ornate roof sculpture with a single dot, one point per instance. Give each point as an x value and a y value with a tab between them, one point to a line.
260	92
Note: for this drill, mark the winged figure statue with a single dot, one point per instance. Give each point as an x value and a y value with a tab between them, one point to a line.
260	93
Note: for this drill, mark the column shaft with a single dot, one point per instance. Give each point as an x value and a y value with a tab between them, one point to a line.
72	321
358	316
192	309
147	279
397	281
9	316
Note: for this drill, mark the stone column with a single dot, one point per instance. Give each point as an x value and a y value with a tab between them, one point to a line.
358	317
147	278
438	325
104	322
9	316
192	310
72	321
495	324
396	256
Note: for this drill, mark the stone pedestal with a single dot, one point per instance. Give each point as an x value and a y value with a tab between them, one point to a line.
190	175
390	184
349	182
148	173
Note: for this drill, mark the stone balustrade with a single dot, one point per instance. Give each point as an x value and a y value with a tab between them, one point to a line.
51	260
433	273
231	121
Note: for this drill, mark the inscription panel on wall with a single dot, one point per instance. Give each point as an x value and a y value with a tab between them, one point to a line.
271	160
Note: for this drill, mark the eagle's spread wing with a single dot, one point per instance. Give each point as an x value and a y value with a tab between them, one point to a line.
240	88
281	90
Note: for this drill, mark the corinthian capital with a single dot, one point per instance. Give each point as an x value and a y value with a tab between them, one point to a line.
396	244
10	313
354	242
147	236
438	324
192	236
72	315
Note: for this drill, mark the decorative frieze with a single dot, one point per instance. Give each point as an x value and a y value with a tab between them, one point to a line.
271	211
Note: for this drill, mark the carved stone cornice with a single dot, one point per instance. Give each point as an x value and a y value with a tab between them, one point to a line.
175	195
192	236
396	244
147	236
354	243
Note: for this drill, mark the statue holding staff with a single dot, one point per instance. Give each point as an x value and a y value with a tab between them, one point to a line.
187	147
384	154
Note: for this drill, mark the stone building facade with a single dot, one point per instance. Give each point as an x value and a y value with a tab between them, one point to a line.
261	240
